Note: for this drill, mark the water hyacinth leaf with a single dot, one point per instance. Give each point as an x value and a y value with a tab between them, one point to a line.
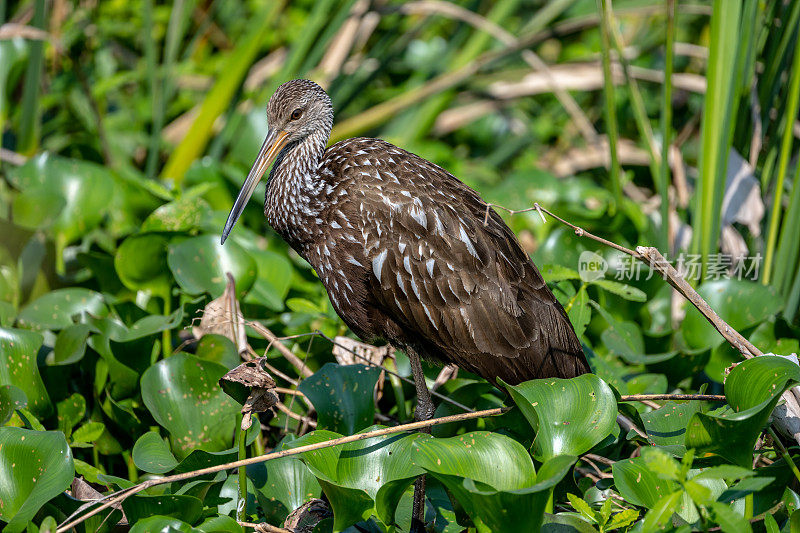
141	263
638	484
151	454
113	329
220	524
666	426
87	433
342	396
569	416
282	485
55	309
199	265
553	273
18	367
492	477
186	508
752	389
740	303
182	394
274	278
37	466
70	345
37	208
70	412
11	399
181	215
219	349
162	524
85	187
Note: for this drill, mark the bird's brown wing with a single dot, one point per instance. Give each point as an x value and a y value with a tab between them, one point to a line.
454	278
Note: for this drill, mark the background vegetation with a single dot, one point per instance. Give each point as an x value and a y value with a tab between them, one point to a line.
128	126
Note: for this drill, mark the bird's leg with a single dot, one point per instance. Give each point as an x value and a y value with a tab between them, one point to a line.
424	411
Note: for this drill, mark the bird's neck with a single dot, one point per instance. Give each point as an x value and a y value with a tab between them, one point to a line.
295	191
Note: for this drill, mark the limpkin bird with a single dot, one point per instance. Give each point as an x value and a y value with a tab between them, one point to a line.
406	251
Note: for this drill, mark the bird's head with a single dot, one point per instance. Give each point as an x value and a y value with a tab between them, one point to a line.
297	110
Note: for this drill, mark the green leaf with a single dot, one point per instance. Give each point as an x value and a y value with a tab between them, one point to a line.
492	477
622	519
181	215
661	464
37	466
141	263
162	524
274	278
666	426
569	416
18	367
367	477
70	411
84	187
11	399
742	304
580	313
199	265
638	484
724	472
580	505
728	519
219	349
658	517
553	273
182	394
622	290
342	396
88	432
286	480
151	454
55	309
70	345
753	388
186	508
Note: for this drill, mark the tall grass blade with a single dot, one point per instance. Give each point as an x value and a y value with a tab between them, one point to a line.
28	138
604	7
781	269
789	243
218	98
715	128
663	179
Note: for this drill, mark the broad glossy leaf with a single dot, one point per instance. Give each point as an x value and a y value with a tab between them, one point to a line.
152	454
184	214
18	367
141	263
342	396
219	349
274	277
286	481
36	467
88	432
117	331
580	313
182	394
85	187
638	484
753	388
55	309
70	345
11	398
492	477
740	303
70	412
186	508
666	426
161	524
569	416
199	265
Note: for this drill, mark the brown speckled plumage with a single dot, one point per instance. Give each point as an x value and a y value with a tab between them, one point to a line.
402	249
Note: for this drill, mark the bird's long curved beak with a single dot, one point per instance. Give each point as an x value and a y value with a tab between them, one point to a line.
272	146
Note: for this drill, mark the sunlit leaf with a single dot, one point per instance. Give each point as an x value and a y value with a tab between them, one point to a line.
199	265
18	367
569	416
55	309
36	466
182	394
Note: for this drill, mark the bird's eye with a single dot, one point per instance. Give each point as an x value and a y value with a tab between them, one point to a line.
297	113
